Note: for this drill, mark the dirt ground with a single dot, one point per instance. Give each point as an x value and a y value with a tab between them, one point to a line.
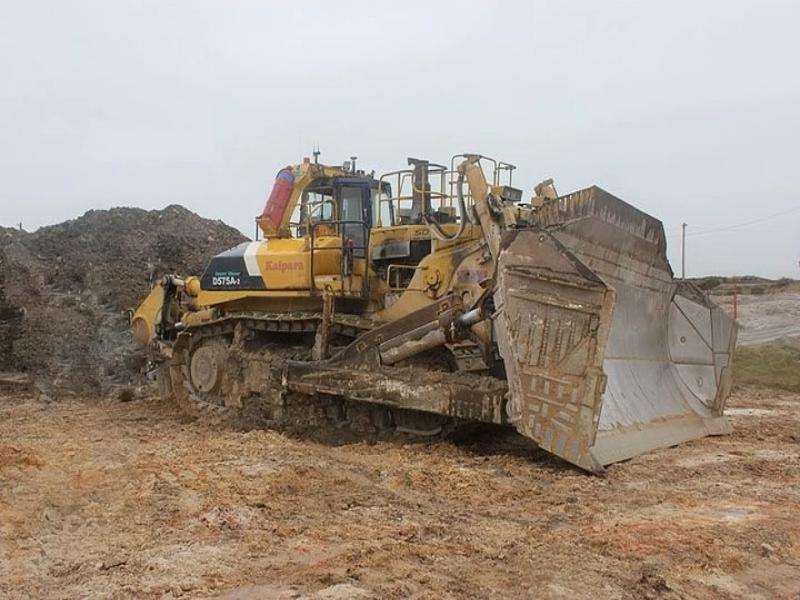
766	318
129	500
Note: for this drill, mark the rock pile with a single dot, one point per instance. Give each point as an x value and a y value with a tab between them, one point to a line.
65	289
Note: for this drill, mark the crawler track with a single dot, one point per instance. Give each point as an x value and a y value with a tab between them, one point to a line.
246	354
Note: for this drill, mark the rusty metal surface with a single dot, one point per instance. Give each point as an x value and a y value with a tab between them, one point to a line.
668	353
551	326
614	225
388	340
359	372
462	396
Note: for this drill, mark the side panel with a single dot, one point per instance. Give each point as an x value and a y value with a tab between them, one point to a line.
234	269
272	264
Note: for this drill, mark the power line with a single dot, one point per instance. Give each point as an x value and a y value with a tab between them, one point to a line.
739	225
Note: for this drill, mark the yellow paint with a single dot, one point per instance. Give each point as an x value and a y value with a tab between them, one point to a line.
285	263
193	286
433	278
143	323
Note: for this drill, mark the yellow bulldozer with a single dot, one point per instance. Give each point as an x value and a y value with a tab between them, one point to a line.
435	296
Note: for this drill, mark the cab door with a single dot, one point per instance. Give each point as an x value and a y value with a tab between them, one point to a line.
355	218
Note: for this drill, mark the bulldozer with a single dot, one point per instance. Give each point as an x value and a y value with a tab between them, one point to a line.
435	296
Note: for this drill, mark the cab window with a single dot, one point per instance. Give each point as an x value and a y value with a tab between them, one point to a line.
317	205
353	210
382	207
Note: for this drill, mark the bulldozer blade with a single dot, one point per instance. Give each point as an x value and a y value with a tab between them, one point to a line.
551	325
607	355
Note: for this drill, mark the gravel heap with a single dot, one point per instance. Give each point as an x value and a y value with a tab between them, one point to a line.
65	289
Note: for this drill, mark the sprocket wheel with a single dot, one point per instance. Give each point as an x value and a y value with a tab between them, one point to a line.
206	374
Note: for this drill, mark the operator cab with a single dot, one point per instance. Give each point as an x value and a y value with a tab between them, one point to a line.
330	206
316	222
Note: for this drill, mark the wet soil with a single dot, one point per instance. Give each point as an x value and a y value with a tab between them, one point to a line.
131	500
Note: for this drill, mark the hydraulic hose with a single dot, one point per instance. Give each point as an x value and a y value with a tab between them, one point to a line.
436	229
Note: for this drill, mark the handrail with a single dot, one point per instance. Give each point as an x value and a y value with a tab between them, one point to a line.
365	280
497	166
444	195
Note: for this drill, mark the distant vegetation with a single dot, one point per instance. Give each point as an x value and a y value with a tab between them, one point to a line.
772	366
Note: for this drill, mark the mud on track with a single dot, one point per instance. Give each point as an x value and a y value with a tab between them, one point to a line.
129	500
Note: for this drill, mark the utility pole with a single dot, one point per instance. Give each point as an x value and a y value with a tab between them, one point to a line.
683	250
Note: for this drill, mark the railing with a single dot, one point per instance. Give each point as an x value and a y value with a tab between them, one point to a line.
440	197
498	166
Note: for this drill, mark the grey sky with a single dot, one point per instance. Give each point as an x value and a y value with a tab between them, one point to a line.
690	111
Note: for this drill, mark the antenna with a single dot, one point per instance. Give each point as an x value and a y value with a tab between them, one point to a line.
316	154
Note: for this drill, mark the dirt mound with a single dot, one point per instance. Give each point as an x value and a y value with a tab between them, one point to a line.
65	289
772	318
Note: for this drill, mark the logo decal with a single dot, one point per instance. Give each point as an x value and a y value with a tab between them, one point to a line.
226	278
283	266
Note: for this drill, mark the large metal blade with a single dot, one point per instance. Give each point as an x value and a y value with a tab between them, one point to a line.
551	326
669	348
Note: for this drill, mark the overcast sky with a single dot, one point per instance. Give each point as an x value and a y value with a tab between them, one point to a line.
688	110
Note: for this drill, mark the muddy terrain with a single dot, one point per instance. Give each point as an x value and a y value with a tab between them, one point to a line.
127	500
